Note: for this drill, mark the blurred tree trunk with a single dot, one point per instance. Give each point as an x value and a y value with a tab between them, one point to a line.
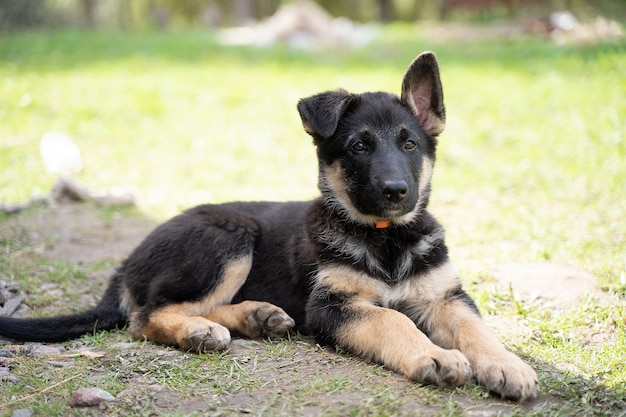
265	8
385	10
124	14
244	11
20	13
89	12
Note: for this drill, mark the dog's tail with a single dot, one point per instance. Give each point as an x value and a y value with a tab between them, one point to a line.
107	315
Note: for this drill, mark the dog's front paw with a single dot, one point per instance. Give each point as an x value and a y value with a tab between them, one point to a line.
508	376
268	320
442	367
206	337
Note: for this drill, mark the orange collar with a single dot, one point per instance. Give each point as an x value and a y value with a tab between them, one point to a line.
383	224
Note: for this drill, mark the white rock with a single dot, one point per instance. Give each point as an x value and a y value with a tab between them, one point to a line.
60	154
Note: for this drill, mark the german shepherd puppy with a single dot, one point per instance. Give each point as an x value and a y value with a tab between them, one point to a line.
364	267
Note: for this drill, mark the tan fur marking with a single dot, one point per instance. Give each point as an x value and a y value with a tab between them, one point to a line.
421	294
334	179
454	325
234	276
428	166
426	175
178	330
384	335
427	287
392	339
427	172
347	280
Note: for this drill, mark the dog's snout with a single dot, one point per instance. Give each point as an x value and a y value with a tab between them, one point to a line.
395	190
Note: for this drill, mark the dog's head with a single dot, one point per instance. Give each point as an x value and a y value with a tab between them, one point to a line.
377	150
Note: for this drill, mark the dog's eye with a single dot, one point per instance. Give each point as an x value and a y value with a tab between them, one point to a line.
409	145
359	147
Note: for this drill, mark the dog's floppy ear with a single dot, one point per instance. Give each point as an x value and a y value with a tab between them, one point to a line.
320	113
421	90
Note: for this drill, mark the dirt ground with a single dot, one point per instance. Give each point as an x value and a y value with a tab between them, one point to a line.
80	234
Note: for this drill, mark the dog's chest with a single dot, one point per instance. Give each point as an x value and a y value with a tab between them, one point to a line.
389	255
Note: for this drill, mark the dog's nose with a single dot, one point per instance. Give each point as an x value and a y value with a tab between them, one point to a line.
395	190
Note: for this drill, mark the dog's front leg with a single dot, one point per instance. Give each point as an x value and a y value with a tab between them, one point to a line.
388	337
454	324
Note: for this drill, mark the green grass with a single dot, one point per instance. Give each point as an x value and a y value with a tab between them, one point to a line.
530	168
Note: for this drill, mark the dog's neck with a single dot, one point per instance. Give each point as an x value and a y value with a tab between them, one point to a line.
323	210
391	253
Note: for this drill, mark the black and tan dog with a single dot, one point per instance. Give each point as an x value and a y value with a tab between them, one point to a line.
364	267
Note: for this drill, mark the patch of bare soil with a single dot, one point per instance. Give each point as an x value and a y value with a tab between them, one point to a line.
78	233
558	285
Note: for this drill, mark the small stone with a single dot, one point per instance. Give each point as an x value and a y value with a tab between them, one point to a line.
7	376
22	412
22	311
125	345
9	306
88	397
61	364
41	351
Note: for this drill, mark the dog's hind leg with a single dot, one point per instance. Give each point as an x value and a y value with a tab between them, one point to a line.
187	324
253	319
175	326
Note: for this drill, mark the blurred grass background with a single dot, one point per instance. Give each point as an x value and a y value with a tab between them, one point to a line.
531	166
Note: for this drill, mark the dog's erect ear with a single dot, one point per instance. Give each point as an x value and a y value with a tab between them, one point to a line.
320	113
421	90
